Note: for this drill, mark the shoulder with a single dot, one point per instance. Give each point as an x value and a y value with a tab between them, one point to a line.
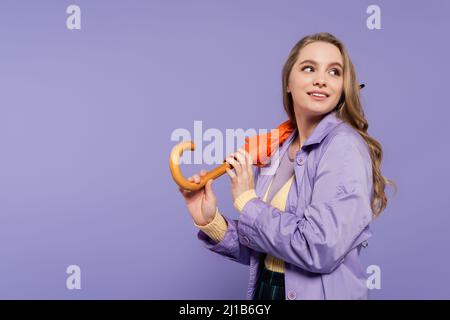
346	141
345	156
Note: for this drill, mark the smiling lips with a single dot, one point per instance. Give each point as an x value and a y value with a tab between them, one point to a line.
318	95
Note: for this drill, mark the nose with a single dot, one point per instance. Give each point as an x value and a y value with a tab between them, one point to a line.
319	81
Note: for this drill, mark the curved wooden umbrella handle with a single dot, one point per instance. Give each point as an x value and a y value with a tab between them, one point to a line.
177	175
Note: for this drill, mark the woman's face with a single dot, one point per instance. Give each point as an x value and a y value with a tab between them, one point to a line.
316	79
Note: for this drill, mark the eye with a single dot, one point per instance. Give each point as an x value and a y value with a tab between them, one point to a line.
336	72
307	67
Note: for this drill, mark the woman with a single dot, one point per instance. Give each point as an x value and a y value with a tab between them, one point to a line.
301	229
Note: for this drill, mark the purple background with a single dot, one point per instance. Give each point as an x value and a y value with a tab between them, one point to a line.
86	118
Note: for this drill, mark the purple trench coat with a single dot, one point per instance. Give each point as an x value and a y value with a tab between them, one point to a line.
325	223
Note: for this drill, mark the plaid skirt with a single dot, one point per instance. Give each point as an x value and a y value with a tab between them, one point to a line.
270	286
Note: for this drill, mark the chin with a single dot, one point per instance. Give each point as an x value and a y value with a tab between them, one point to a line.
317	111
313	109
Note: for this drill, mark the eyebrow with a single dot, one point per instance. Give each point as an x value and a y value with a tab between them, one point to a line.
315	63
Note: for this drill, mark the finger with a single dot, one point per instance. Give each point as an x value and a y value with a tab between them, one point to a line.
203	172
242	160
248	157
248	161
191	179
208	190
184	192
231	174
235	164
240	155
196	178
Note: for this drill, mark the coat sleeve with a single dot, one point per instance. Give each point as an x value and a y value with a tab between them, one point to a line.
229	246
318	239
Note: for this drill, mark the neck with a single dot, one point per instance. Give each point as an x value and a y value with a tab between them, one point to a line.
305	126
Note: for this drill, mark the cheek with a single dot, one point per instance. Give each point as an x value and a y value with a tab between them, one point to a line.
338	87
298	83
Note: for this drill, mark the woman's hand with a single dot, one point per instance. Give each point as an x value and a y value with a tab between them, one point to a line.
242	177
202	204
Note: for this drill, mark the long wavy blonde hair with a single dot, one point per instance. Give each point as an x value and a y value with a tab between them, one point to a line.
348	109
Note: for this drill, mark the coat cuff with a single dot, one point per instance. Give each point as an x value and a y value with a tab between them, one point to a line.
216	229
243	198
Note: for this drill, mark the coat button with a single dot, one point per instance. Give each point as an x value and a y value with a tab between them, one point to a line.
292	295
300	161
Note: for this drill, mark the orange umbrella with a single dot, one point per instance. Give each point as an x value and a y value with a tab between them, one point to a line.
260	147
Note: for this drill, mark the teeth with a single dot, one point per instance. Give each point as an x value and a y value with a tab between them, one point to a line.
318	94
